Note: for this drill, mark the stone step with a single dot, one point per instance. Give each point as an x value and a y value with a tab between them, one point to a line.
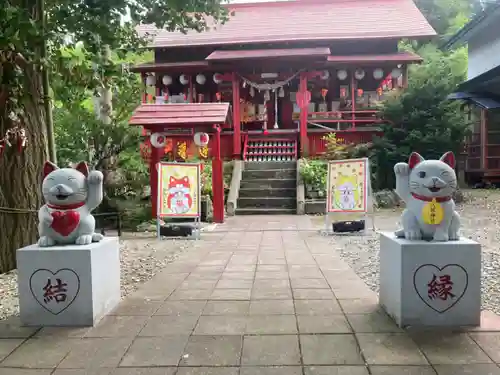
269	173
266	211
255	193
267	202
269	183
264	165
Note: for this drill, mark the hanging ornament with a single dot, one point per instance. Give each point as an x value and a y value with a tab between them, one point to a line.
217	78
325	74
342	74
343	92
201	79
183	79
281	92
252	91
200	98
378	73
21	140
201	139
324	92
396	73
360	93
158	140
379	91
267	95
359	74
166	80
165	96
150	80
218	96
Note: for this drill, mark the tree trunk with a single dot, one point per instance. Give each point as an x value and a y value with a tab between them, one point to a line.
21	174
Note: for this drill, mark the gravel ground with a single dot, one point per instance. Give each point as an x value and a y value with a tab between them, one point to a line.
142	256
480	222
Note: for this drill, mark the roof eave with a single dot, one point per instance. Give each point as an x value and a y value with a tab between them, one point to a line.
463	35
291	40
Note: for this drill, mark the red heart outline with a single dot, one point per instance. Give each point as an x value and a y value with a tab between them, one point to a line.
440	269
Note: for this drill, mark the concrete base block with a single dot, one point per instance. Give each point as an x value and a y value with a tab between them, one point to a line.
68	285
430	284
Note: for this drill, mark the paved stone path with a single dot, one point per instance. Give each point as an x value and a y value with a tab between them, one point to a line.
250	302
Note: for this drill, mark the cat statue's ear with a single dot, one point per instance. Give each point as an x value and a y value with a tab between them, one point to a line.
83	168
449	158
48	168
415	159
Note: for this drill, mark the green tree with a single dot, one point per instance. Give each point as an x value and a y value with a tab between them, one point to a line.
420	118
24	31
448	16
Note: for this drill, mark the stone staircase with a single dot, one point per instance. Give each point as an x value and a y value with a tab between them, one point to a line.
268	188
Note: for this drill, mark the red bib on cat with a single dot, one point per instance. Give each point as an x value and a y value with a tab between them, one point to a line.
64	222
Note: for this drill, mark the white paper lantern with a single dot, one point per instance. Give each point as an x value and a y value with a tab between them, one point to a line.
158	140
325	75
201	79
166	80
396	73
183	79
201	139
342	74
217	78
151	80
359	74
378	73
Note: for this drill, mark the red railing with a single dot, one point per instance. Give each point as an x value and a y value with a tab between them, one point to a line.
317	143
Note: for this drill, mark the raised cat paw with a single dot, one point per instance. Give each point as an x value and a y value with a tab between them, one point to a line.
95	177
454	237
85	239
441	236
45	241
413	235
97	237
402	169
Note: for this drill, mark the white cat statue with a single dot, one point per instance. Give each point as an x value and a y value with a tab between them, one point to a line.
70	196
427	186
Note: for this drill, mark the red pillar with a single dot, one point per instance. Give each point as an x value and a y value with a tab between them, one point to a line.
236	117
156	155
353	99
304	144
217	178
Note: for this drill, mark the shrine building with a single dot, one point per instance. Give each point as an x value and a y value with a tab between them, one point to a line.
276	78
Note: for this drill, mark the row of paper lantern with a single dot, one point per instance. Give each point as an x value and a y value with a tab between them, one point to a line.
359	74
183	79
342	74
159	140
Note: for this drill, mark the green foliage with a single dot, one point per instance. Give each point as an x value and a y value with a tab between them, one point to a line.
420	118
314	174
448	16
336	150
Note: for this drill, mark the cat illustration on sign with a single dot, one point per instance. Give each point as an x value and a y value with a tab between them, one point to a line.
179	195
70	195
427	186
347	192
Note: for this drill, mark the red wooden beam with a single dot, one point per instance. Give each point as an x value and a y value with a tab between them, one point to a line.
217	178
236	117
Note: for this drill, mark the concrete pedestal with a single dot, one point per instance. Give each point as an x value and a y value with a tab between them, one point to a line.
68	285
430	284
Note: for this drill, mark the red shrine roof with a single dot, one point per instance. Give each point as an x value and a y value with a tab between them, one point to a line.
181	114
220	55
300	20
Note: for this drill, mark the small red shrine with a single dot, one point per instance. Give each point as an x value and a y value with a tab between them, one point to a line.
289	73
